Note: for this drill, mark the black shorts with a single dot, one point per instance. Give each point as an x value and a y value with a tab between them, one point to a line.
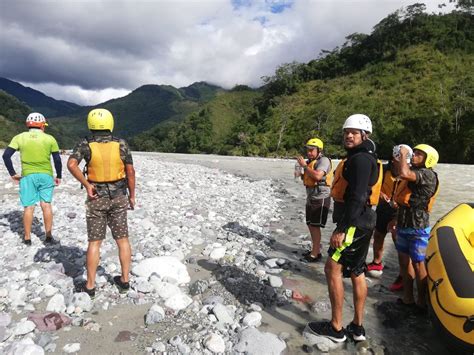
317	213
385	214
353	252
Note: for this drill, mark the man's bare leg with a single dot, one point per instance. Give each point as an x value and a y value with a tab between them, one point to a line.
333	272
408	275
125	256
316	239
28	220
92	261
47	217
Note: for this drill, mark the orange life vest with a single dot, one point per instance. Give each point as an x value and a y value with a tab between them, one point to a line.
308	181
389	183
339	185
403	194
105	164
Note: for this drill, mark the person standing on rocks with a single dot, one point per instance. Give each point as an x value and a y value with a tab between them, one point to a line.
36	180
356	188
386	216
110	174
317	178
415	198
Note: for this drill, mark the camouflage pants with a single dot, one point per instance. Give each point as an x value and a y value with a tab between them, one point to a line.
106	211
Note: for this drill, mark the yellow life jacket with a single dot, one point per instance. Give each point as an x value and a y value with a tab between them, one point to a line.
105	164
339	185
403	194
308	181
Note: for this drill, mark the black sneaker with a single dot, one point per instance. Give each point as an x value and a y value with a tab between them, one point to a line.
312	259
357	332
122	286
325	329
90	292
27	241
49	240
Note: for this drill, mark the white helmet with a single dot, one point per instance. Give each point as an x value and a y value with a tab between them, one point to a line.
358	121
396	152
36	119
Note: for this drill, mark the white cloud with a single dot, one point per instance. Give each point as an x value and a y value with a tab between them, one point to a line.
88	51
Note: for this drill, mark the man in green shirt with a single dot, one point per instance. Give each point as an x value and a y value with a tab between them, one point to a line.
36	179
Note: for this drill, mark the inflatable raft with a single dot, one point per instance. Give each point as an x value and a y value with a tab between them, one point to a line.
450	267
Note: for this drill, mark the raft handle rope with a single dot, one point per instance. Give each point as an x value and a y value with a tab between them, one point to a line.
469	324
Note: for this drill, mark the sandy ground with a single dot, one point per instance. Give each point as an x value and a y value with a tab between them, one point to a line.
385	324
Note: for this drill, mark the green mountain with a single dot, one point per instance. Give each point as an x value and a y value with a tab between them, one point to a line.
211	129
37	100
143	108
413	75
13	114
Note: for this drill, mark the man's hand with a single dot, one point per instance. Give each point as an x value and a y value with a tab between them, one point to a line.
57	181
392	227
131	201
384	196
91	191
16	178
337	238
301	161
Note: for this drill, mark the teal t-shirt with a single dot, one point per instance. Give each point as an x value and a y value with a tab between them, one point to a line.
35	148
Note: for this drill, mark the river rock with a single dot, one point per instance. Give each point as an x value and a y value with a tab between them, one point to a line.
24	347
163	266
222	314
82	300
253	319
24	327
56	304
217	253
5	319
215	343
178	302
155	315
72	348
275	281
254	342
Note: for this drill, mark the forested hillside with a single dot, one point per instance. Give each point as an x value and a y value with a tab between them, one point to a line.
413	75
37	100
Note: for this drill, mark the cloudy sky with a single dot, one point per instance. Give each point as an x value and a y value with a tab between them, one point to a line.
88	51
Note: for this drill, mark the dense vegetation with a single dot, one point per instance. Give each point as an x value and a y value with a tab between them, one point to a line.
413	75
13	114
37	100
143	108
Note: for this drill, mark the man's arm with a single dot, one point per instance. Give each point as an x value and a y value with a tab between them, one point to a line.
58	166
7	159
130	172
315	174
405	172
73	167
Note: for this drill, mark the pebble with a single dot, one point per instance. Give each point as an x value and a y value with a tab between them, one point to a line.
72	348
214	343
155	315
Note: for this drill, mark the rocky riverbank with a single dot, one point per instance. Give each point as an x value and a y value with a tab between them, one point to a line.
216	269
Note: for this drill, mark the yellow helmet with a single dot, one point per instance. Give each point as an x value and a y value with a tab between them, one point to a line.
315	142
100	119
432	155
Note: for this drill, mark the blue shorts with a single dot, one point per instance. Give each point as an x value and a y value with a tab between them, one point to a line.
413	241
35	188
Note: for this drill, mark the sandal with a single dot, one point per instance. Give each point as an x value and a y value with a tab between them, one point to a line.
407	305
